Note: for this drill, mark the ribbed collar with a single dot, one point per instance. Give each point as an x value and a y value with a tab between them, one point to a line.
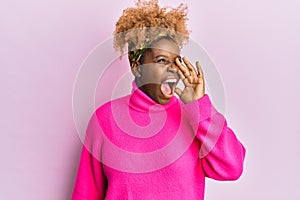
142	102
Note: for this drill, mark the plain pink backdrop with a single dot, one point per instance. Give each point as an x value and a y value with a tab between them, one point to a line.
254	44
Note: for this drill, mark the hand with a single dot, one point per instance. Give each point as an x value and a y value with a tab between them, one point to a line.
192	80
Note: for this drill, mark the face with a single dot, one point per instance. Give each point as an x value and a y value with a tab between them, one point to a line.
158	74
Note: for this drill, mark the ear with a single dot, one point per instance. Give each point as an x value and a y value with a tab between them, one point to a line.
135	68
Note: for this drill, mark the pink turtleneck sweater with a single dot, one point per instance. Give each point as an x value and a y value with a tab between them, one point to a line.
137	149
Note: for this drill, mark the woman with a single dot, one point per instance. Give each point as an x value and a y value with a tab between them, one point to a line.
150	144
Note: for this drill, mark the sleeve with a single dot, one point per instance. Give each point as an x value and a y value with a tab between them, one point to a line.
221	153
90	183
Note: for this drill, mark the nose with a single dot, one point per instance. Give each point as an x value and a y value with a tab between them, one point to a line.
172	68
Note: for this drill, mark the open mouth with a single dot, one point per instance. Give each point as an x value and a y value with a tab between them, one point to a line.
168	87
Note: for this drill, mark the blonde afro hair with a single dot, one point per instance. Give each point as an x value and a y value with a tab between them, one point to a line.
147	21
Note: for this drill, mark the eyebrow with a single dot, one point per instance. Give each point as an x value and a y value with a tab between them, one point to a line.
161	55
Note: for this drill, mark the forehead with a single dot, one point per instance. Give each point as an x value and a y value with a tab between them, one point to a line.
165	47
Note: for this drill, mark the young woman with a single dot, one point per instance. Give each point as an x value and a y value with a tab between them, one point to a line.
151	144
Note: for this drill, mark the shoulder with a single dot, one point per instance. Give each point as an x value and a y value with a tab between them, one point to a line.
105	109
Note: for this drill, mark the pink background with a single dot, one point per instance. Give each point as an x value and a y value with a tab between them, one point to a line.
254	44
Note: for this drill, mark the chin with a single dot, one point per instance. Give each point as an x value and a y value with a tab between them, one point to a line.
163	100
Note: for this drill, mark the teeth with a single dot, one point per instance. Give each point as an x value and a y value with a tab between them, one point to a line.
173	80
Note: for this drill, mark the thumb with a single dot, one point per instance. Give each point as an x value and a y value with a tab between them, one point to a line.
178	91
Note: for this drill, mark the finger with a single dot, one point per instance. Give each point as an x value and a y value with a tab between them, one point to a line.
182	68
183	78
193	79
199	69
178	91
189	66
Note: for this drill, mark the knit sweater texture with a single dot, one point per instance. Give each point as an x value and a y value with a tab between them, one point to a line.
137	149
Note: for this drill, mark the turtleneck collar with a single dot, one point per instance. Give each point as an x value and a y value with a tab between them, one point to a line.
142	102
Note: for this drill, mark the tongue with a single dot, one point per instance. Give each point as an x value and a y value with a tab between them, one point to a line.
166	90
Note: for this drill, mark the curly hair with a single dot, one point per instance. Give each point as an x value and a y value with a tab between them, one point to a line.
140	25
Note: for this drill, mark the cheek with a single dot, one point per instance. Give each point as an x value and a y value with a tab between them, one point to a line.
152	73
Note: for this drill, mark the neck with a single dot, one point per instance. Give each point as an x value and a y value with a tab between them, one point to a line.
148	89
141	101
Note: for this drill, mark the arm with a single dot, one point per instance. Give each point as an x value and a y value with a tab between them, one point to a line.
90	182
221	153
